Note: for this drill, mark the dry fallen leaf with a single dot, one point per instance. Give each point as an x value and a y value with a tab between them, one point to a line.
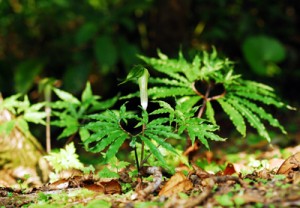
200	172
291	163
177	183
296	178
229	170
112	187
95	187
60	184
109	187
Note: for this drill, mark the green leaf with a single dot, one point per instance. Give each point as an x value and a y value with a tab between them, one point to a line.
86	32
65	96
25	73
7	127
261	113
115	146
99	203
105	51
128	52
84	134
107	173
135	73
23	125
253	120
161	142
35	117
107	139
65	159
153	149
234	115
68	131
261	50
87	93
163	92
210	113
105	104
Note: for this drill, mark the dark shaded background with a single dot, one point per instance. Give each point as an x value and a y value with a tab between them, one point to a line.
97	40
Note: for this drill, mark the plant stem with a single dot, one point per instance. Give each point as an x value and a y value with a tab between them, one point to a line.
48	130
143	144
47	94
136	159
205	98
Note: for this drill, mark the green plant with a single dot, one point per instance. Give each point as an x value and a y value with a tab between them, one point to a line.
209	79
70	113
263	53
108	133
108	130
22	113
195	86
66	159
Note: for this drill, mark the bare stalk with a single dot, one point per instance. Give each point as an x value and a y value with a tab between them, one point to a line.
48	129
205	98
47	94
143	145
136	159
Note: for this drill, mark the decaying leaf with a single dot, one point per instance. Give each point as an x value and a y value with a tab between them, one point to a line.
200	172
106	187
290	164
229	170
112	187
60	184
177	183
95	188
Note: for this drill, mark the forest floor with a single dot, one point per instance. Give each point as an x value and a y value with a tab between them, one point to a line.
269	177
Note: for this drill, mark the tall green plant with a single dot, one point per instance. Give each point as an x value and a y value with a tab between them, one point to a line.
108	130
207	79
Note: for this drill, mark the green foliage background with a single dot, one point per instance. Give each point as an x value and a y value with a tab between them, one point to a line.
97	40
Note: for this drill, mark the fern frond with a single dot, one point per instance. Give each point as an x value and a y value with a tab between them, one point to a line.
158	123
261	113
252	87
234	115
161	64
108	139
163	92
261	98
154	150
115	146
164	105
210	113
213	136
166	81
161	142
259	86
253	119
129	96
187	102
165	108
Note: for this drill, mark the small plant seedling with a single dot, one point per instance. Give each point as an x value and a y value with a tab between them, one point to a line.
70	113
65	159
23	112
